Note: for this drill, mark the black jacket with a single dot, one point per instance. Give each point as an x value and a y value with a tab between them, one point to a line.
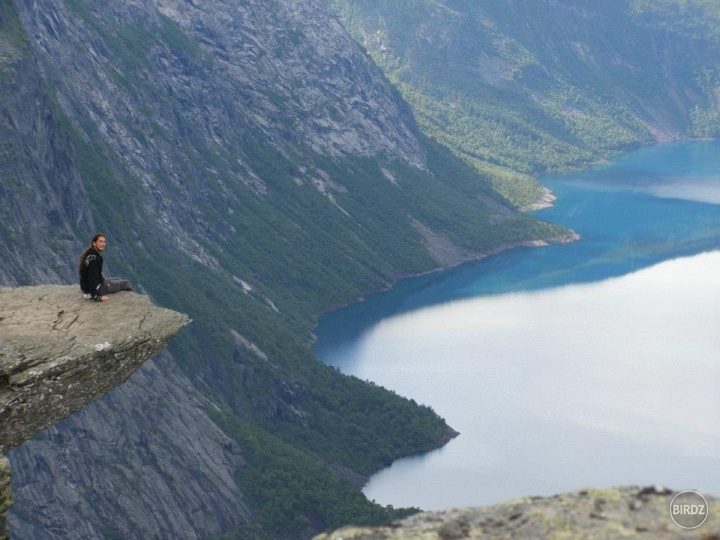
91	273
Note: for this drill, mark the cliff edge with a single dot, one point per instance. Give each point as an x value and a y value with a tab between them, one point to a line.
59	352
620	512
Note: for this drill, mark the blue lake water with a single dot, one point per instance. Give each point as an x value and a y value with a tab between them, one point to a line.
589	364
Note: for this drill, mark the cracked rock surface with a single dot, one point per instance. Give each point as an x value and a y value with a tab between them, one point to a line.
59	352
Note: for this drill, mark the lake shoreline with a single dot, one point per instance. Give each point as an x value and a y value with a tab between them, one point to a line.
626	227
361	480
568	238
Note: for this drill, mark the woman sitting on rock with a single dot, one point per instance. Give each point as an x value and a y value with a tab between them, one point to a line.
92	282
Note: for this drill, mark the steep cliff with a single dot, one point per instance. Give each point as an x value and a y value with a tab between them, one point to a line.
42	196
158	466
59	353
252	167
523	88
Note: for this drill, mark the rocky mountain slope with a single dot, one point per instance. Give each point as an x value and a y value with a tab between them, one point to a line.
113	475
251	167
521	89
42	195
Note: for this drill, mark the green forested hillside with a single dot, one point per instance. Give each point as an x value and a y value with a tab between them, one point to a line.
699	19
519	89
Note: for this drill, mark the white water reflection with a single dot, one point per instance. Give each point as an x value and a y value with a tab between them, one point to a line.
615	382
704	189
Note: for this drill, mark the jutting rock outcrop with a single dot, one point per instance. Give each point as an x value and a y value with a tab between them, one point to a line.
59	352
621	512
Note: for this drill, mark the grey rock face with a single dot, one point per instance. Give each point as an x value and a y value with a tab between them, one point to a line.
622	512
145	461
174	99
272	60
60	352
186	93
41	193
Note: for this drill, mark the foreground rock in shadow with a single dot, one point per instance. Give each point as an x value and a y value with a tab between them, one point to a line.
621	512
6	498
59	352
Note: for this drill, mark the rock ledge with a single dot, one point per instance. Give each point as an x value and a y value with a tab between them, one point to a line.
59	352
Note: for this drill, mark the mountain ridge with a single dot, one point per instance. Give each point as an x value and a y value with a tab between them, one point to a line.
249	166
252	167
522	89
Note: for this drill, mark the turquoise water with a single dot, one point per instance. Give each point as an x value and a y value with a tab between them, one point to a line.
594	363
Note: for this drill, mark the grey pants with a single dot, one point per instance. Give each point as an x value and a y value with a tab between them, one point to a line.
113	285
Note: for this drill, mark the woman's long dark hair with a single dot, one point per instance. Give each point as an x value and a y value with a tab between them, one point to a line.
87	249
